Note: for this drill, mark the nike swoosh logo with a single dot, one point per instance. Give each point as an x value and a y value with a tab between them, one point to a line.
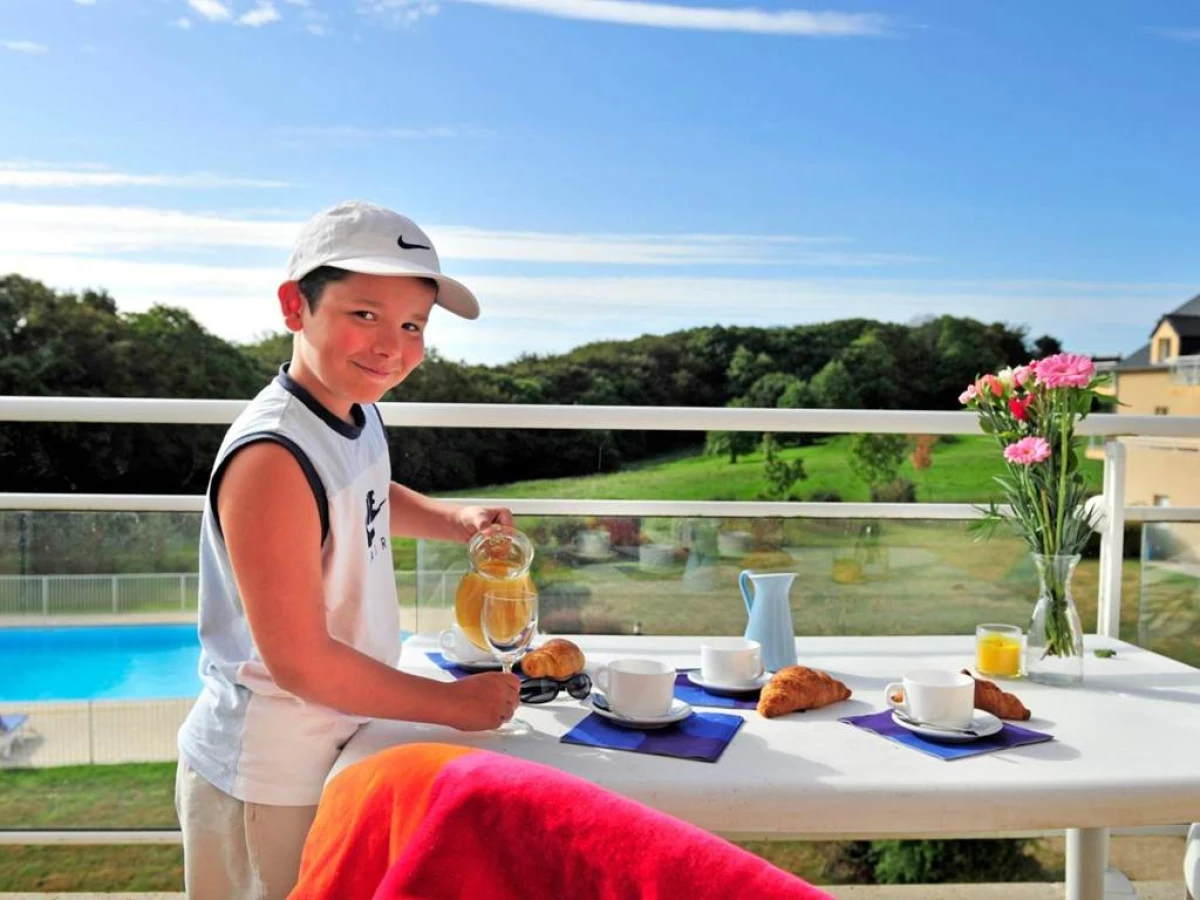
406	246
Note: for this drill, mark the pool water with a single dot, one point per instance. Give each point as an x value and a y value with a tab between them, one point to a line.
126	662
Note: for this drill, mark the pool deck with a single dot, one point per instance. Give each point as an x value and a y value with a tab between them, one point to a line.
97	731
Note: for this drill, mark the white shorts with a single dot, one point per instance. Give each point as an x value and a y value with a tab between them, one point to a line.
234	850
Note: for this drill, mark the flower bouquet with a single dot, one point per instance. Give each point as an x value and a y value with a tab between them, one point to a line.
1032	412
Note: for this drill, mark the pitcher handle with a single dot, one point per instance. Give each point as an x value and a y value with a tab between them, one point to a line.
744	585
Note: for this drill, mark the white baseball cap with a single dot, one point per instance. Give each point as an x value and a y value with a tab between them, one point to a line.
362	237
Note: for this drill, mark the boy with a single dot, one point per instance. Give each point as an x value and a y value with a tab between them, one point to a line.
298	619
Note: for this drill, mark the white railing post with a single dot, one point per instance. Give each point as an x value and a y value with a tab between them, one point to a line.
1112	541
115	605
45	595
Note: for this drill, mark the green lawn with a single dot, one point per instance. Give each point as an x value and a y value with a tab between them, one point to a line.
961	473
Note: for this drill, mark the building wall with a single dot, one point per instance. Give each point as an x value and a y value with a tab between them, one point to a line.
1162	469
1146	393
1166	472
1164	331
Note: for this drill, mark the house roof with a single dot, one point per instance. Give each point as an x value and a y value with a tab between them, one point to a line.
1138	359
1191	308
1185	320
1185	326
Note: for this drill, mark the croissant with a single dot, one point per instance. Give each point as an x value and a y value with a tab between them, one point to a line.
999	703
795	688
558	658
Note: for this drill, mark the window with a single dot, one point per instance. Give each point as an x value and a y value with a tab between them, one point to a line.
1160	410
1164	348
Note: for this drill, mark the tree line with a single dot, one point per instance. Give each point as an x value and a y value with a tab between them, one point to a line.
63	343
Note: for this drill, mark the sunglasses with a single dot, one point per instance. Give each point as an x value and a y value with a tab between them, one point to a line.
543	690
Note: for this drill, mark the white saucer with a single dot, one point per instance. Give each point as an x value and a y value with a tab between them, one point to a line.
599	705
483	664
729	690
984	724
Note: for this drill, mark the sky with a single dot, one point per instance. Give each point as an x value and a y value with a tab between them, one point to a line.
603	169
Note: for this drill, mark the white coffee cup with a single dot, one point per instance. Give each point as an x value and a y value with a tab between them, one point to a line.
730	661
593	543
458	647
935	697
640	688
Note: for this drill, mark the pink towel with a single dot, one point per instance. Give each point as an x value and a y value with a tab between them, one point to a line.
477	824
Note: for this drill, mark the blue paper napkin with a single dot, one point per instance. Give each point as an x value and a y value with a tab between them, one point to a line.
458	671
1009	736
701	736
442	663
694	695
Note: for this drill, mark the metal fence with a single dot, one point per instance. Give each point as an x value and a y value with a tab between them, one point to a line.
162	592
59	595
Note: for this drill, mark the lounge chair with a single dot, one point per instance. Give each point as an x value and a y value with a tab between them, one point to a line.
12	729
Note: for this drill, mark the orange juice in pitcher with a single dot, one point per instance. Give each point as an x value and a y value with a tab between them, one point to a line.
500	558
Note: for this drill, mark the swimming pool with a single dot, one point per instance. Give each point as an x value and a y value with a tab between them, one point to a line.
120	662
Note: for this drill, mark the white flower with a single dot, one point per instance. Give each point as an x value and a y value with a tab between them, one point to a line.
1007	377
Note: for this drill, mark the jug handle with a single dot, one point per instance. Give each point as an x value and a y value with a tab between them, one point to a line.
744	584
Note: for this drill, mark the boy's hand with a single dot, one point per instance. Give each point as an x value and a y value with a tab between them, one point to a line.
481	702
470	519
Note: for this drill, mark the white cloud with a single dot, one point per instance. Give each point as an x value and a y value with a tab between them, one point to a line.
44	228
213	10
224	269
356	133
183	22
663	15
262	14
553	314
86	2
24	46
316	28
1188	35
400	12
43	175
303	3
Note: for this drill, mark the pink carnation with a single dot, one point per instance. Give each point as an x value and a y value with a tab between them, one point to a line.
990	383
1028	451
1021	374
1065	370
968	395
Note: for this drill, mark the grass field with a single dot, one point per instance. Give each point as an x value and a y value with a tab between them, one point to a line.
962	472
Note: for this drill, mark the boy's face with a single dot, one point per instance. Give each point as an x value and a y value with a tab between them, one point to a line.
367	334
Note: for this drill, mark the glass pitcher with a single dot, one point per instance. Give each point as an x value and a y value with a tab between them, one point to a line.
500	558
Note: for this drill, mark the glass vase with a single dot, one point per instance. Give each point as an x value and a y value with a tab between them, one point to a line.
1054	643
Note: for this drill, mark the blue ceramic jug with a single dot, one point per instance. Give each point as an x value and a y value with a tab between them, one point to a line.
770	613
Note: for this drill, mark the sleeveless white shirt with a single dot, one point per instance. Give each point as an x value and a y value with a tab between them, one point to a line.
245	734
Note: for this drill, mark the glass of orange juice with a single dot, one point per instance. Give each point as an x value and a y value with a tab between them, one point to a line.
998	651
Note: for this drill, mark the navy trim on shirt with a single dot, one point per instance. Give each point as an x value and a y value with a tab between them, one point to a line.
310	473
345	429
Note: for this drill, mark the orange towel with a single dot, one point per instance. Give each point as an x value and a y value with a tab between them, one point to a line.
429	821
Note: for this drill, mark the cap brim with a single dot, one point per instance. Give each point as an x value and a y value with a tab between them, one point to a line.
452	295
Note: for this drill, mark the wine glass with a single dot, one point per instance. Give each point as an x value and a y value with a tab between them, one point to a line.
509	622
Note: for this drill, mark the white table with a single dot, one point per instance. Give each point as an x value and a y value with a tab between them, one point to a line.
1124	754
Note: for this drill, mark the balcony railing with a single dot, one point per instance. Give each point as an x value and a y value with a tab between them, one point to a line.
398	415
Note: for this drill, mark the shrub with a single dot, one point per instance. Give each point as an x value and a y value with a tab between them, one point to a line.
901	490
933	862
825	497
780	475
